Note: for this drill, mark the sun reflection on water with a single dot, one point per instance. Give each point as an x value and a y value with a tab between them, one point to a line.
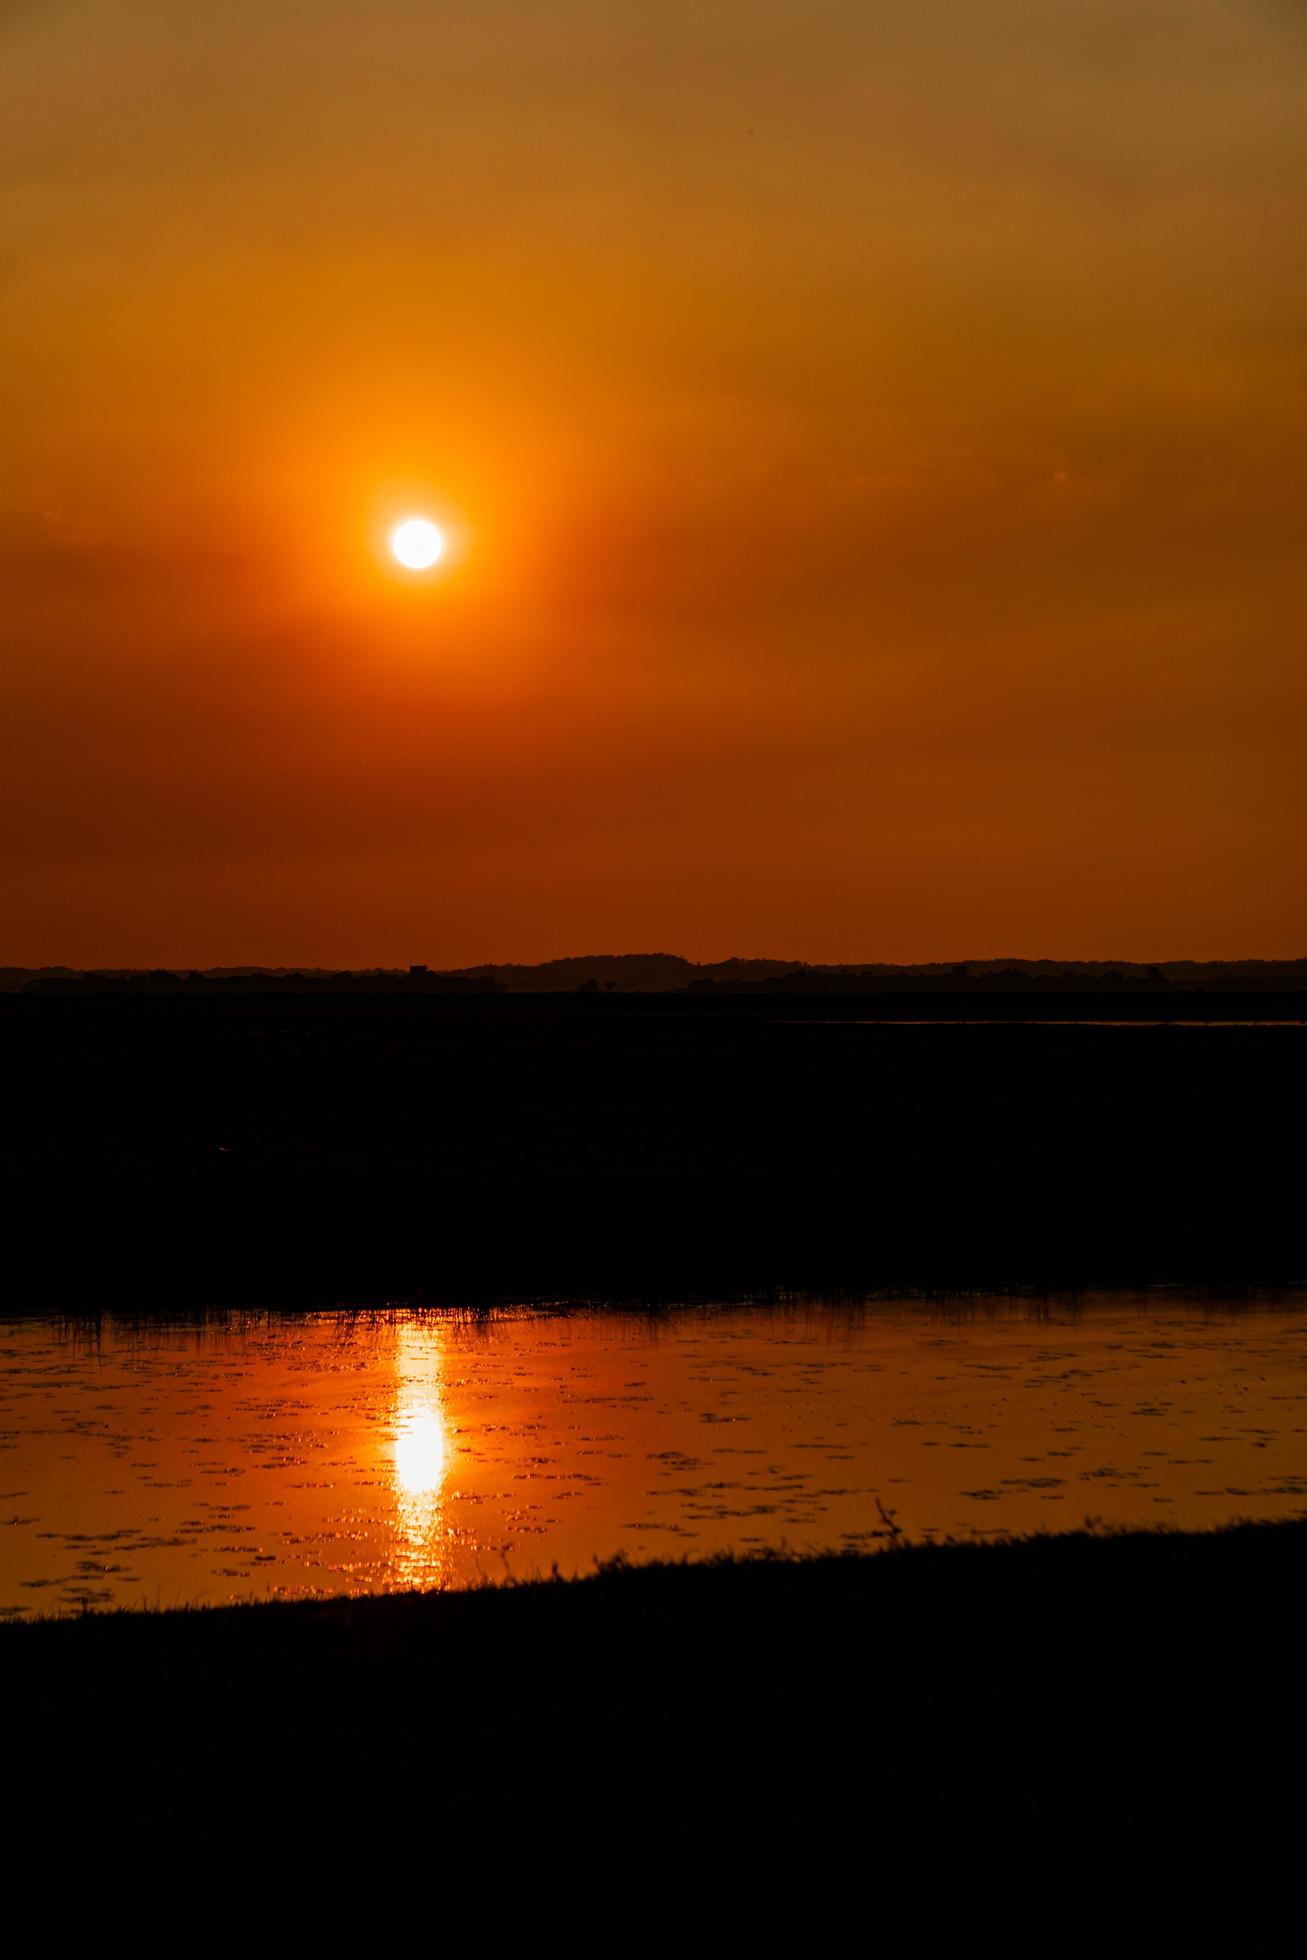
419	1452
419	1458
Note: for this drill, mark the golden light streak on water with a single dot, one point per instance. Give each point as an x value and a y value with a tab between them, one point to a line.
420	1456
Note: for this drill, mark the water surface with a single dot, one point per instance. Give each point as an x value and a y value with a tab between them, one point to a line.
289	1456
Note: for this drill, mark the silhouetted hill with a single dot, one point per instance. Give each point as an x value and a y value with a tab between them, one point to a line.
625	973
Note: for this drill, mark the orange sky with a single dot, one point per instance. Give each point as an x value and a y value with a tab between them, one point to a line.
872	441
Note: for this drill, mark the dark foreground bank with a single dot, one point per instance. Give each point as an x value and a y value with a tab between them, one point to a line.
1122	1715
301	1150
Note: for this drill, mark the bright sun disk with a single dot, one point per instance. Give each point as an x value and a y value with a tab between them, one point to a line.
417	544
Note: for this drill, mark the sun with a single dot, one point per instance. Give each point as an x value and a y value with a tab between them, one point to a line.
417	543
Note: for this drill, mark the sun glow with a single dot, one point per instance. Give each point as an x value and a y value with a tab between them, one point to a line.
417	544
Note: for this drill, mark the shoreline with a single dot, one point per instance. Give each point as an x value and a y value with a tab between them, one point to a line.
1017	1715
1112	1549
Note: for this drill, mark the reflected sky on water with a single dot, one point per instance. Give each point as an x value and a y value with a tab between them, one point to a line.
251	1456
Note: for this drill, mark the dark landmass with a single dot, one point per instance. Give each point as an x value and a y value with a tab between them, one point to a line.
1076	1723
169	1150
669	973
